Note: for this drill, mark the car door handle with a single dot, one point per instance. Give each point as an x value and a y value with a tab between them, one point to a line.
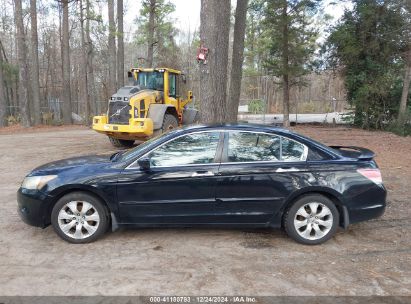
202	173
287	169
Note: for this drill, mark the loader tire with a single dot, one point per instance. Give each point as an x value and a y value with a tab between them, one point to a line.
121	143
169	122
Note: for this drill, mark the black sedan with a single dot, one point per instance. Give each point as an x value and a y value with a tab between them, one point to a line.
221	175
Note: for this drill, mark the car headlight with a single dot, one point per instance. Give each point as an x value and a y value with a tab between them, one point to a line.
36	182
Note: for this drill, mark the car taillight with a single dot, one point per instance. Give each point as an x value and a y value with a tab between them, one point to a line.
372	174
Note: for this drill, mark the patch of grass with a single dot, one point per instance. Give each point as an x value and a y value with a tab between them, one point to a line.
13	120
400	128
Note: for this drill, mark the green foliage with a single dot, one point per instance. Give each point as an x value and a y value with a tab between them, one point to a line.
13	120
368	43
164	32
256	39
256	106
400	128
10	73
292	36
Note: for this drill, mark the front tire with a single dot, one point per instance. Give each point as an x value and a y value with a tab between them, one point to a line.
311	220
169	122
121	143
79	217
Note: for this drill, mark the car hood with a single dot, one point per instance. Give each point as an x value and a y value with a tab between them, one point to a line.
74	162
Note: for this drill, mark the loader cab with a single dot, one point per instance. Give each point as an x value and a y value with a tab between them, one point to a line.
168	81
150	80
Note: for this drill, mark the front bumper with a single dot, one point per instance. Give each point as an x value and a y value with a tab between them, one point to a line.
136	129
34	207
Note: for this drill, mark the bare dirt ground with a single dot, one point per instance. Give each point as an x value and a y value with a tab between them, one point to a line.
371	258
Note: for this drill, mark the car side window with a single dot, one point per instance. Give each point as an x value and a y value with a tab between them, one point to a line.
246	147
292	150
249	147
190	149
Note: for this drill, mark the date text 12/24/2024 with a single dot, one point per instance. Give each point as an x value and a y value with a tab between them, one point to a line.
203	299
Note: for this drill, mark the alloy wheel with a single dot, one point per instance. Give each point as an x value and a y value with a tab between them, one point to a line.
313	221
78	219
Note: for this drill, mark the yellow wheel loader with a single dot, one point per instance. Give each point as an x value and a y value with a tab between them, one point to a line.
149	106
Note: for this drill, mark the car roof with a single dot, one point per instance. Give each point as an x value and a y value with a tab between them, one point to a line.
237	126
256	128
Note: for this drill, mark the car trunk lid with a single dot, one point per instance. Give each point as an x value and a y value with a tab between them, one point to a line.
354	152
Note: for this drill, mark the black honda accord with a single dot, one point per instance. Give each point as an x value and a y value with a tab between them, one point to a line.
222	175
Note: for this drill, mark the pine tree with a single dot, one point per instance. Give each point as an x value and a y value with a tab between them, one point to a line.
157	31
368	44
291	43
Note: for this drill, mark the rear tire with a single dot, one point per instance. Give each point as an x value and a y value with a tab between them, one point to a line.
169	122
121	143
312	219
79	217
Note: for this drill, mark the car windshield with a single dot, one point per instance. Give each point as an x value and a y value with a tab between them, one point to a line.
150	80
129	154
132	153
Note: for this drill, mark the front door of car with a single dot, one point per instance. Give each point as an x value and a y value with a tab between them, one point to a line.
258	171
179	187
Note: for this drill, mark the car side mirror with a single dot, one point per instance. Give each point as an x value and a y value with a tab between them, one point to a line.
144	163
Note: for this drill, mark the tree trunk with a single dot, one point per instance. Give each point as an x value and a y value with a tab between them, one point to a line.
250	60
286	101
90	68
112	86
3	104
237	60
120	44
150	38
66	65
405	89
286	80
214	35
22	61
83	69
34	58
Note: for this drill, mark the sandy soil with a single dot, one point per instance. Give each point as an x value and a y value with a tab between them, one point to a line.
371	258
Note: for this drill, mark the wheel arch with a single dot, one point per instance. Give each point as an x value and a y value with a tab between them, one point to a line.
173	111
157	111
331	194
59	193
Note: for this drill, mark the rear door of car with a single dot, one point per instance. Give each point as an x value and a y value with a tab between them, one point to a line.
258	171
180	186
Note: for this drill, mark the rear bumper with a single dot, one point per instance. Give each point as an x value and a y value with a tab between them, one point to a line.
33	207
368	205
366	213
